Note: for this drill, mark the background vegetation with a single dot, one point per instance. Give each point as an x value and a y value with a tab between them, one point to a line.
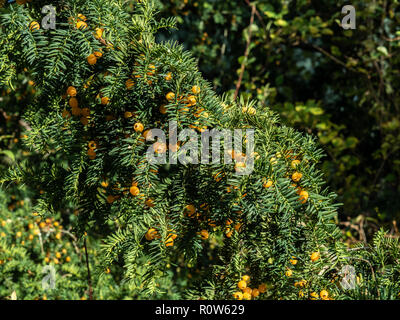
339	85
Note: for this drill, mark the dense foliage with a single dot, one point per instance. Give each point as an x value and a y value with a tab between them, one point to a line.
86	96
338	84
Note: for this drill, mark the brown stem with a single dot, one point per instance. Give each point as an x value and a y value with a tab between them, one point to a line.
88	269
246	54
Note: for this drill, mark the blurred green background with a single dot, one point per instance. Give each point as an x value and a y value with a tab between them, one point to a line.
340	85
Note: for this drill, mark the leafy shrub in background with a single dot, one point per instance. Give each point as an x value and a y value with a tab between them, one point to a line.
337	84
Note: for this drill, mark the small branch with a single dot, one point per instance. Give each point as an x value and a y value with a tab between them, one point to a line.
257	14
246	54
391	39
88	269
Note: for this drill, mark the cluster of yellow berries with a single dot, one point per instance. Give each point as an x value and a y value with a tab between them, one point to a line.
248	293
324	295
83	113
57	257
152	234
296	177
189	102
81	22
48	226
92	58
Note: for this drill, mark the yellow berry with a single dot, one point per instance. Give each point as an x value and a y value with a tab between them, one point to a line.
238	295
315	256
105	100
34	25
303	196
196	89
255	293
296	176
81	25
324	295
262	288
138	127
71	91
170	96
313	296
268	183
168	77
246	296
134	190
190	210
294	163
91	59
242	285
204	234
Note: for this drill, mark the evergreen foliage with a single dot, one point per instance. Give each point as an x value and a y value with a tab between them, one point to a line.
101	83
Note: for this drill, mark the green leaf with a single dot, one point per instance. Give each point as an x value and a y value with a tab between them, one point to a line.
316	111
9	154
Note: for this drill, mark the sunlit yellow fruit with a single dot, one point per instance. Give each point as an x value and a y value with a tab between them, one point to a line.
134	190
168	77
81	25
313	296
34	25
288	273
247	296
294	163
238	295
192	100
81	17
196	89
91	59
71	91
204	234
255	293
293	261
262	288
315	256
296	176
170	96
190	210
99	33
169	242
303	196
324	295
268	183
138	127
246	278
105	100
242	285
151	234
